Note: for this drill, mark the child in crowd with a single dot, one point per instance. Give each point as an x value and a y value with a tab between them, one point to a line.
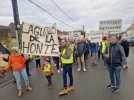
47	69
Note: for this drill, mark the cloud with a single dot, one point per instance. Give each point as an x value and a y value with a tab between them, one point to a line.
83	12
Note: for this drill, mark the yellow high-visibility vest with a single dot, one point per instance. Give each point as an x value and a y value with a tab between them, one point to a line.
47	68
104	46
30	57
65	60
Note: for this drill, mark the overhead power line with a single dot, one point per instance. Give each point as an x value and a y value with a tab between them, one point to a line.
50	14
67	15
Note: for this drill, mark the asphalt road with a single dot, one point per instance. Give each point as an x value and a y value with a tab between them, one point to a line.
90	85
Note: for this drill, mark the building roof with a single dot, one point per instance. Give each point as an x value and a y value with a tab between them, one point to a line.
62	32
8	29
4	27
131	27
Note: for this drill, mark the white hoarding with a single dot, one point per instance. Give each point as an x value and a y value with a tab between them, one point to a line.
37	40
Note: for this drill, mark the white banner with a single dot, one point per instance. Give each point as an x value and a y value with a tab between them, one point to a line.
38	40
96	38
75	35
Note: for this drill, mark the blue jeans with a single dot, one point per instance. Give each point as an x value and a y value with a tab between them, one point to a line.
67	69
114	73
17	75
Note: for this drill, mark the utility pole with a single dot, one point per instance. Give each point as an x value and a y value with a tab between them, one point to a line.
83	29
16	22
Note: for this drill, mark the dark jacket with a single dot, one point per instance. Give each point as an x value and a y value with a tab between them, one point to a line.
81	48
116	55
125	45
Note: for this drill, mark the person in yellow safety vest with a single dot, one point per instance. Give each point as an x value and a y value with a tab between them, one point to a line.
103	48
103	45
48	70
67	62
30	57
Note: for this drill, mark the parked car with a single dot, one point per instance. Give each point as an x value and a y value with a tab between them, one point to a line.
4	52
131	41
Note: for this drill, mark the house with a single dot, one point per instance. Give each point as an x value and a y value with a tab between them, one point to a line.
7	34
129	32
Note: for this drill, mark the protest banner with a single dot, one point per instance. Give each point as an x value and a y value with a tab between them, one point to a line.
94	37
75	35
37	40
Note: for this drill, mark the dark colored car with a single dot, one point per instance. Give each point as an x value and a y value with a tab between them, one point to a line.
131	41
3	49
4	52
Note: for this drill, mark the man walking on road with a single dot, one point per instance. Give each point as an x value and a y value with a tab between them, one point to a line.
80	51
67	62
125	44
116	60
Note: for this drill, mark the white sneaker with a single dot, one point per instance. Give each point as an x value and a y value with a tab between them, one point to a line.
61	69
58	71
54	65
84	69
79	69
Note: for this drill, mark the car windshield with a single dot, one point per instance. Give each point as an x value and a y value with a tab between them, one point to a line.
3	50
132	38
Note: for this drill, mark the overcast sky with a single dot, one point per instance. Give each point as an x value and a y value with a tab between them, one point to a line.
82	12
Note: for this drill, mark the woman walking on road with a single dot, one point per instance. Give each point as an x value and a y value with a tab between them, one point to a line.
17	65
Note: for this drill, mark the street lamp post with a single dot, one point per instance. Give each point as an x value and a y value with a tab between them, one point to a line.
16	22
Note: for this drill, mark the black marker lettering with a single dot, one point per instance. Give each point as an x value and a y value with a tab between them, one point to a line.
49	38
32	48
36	31
39	48
54	49
25	47
47	48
